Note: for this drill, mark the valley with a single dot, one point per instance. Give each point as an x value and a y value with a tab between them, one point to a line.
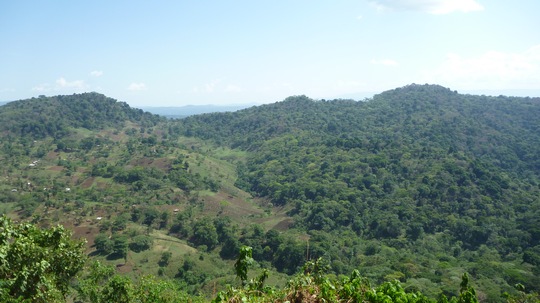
417	185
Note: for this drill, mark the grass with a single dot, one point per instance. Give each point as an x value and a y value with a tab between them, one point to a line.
7	208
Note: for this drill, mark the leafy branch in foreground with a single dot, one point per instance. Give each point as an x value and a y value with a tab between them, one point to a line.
37	264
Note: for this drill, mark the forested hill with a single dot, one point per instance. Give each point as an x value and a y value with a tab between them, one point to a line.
430	113
418	184
416	119
409	166
55	116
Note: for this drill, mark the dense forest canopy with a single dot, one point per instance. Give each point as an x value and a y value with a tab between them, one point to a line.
412	163
418	184
54	116
413	156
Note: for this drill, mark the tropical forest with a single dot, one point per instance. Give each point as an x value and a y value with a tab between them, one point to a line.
418	194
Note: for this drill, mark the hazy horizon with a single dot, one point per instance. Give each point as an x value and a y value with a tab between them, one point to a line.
354	96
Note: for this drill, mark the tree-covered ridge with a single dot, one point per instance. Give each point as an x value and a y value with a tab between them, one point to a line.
416	167
55	116
431	113
418	184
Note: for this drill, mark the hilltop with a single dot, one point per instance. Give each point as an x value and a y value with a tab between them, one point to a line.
418	184
53	116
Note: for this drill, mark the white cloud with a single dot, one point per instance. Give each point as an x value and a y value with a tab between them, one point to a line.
490	70
436	7
385	62
96	73
137	86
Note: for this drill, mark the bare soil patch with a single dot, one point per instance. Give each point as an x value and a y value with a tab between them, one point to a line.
284	224
52	155
56	168
88	182
160	163
230	206
124	268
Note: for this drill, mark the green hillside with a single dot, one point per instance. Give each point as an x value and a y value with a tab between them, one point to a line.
420	184
421	175
55	116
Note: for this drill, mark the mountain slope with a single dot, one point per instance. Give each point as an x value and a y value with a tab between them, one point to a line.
415	111
418	164
419	184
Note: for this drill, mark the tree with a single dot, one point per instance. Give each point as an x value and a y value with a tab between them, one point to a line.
165	258
119	223
205	233
37	264
120	246
230	248
140	243
289	257
104	245
532	255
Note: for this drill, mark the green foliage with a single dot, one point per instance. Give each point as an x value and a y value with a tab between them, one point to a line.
242	264
532	255
37	264
103	244
418	184
102	285
55	116
140	243
522	296
410	165
120	246
165	258
314	285
467	294
205	233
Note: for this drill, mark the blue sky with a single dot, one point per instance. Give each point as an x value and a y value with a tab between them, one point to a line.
174	53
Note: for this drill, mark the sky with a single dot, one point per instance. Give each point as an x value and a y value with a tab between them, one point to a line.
175	53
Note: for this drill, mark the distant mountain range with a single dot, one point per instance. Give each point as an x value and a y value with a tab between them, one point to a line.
178	112
190	110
